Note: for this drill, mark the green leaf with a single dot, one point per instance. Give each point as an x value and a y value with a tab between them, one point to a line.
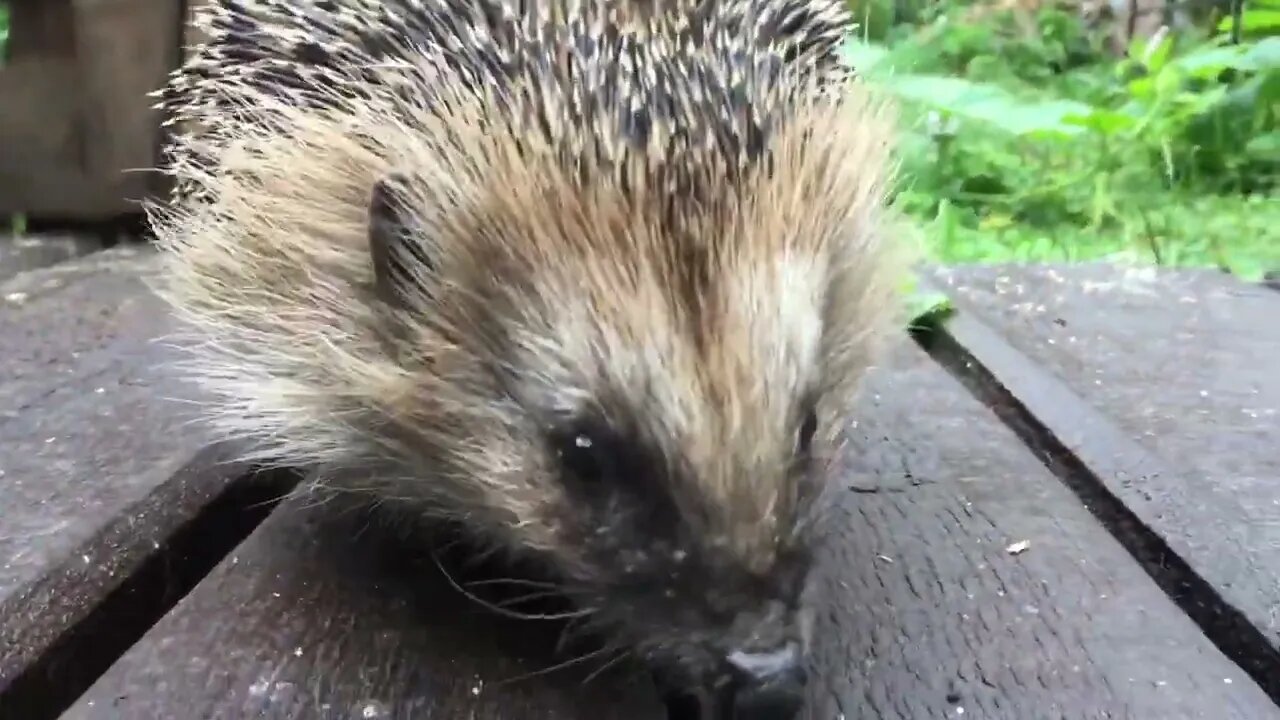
1106	122
926	309
1253	20
1209	60
1264	55
1152	56
1248	57
862	55
1264	147
989	104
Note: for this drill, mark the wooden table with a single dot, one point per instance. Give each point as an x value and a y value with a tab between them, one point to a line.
1124	424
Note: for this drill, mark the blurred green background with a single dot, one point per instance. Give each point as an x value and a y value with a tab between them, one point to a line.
1028	137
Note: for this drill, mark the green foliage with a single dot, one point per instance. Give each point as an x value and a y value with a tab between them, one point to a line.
1038	145
1261	19
4	30
926	309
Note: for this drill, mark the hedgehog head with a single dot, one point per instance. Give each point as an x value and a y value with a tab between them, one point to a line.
608	318
650	359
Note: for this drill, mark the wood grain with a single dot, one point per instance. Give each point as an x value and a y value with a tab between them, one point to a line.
1163	385
79	132
924	610
319	615
127	49
20	253
100	464
931	613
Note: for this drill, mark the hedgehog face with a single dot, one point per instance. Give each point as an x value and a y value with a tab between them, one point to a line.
651	383
693	552
626	271
664	384
676	422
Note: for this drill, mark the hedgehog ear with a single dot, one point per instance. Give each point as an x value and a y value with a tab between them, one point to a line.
400	262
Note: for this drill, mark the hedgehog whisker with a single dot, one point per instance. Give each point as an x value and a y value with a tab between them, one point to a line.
516	581
531	596
624	654
560	666
576	627
504	611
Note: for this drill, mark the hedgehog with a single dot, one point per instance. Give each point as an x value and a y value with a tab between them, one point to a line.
599	279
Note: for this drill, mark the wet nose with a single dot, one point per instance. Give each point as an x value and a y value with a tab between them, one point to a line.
768	685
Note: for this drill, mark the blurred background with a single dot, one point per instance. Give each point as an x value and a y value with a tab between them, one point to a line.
1035	130
1084	129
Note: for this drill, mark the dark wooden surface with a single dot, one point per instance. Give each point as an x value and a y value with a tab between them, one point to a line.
98	469
318	614
77	127
295	624
1167	387
20	253
127	49
929	612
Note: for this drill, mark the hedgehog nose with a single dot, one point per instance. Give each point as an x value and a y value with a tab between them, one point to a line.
768	685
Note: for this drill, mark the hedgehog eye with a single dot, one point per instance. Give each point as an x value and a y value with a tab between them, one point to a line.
583	455
807	429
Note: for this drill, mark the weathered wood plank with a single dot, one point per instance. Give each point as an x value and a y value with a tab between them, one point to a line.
938	615
925	610
42	168
20	253
40	131
100	466
126	49
40	28
319	615
79	132
1164	385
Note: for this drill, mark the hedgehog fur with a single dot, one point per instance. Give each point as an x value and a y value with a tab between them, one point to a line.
585	275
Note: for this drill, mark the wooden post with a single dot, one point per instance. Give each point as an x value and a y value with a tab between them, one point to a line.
76	125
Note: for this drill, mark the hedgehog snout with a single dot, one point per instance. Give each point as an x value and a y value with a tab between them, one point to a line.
766	668
766	684
754	684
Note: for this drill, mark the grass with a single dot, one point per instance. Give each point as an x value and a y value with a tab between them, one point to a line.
1047	148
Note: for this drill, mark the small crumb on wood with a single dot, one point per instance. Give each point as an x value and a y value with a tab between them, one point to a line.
1018	547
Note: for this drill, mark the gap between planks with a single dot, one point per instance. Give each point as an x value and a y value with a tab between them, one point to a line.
1037	407
69	666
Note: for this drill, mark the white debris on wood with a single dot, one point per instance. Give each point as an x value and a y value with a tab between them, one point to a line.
1018	547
